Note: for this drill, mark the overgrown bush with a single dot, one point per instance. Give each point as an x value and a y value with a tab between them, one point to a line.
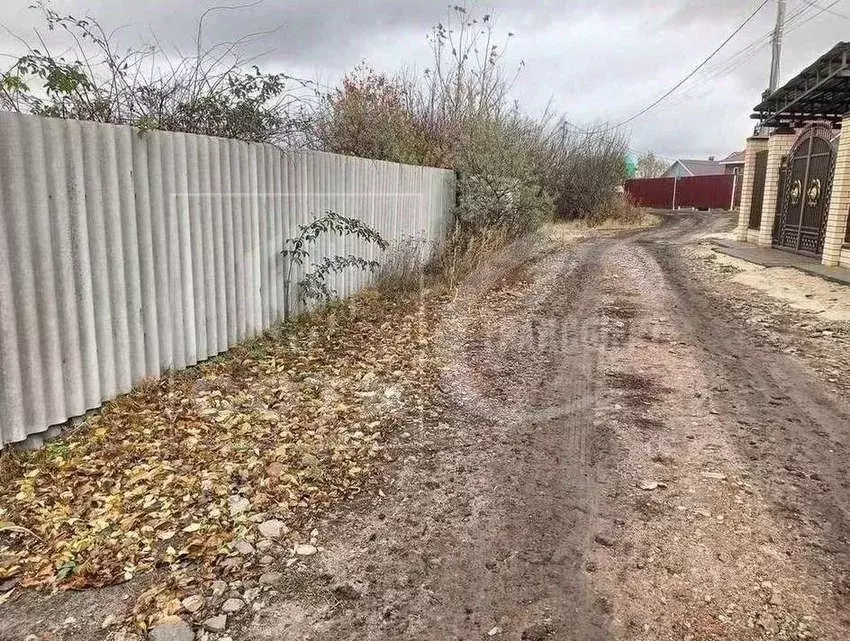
583	169
213	91
500	185
369	116
515	172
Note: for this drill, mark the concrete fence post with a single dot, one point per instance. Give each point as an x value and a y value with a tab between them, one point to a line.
675	183
734	187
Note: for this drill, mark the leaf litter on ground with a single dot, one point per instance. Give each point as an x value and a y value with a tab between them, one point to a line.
169	476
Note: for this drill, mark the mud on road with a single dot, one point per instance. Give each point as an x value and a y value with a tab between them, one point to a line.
633	447
625	457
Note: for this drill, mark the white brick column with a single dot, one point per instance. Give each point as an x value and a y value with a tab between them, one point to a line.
755	144
839	200
778	145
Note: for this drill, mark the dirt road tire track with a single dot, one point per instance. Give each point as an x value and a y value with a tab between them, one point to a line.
618	459
785	422
507	552
525	516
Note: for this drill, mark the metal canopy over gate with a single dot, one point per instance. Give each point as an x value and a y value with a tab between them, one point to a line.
820	92
806	191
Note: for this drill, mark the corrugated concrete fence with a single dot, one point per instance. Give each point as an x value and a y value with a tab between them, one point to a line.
123	254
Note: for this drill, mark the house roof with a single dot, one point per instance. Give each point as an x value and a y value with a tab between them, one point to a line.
702	167
820	92
735	158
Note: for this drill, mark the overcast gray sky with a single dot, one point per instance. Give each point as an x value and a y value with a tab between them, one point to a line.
595	61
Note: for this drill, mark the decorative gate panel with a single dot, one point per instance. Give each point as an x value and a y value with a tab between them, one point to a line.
780	199
805	194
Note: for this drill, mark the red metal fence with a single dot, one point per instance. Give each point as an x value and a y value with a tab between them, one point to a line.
702	192
651	192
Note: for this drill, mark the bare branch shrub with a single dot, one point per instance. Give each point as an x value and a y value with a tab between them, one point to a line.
370	116
463	253
403	266
515	172
583	168
650	166
214	91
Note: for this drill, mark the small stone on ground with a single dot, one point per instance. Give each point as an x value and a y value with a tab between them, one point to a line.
193	604
271	529
216	623
172	628
270	578
232	605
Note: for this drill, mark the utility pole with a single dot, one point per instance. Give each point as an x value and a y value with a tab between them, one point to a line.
777	45
775	58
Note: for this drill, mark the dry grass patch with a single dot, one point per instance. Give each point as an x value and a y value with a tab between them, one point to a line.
621	214
617	216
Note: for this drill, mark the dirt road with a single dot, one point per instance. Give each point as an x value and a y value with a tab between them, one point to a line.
625	456
633	445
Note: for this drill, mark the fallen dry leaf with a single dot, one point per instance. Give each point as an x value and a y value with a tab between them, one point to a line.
281	421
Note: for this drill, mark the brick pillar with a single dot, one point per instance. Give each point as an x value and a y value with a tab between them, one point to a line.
754	145
778	145
839	200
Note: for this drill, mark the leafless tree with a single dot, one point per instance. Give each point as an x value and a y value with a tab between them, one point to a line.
650	166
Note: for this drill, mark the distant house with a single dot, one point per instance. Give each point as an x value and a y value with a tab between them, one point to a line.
684	168
733	163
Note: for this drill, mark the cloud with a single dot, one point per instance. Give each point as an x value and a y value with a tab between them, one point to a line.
596	61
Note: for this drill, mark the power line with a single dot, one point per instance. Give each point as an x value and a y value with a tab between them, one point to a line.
762	43
643	152
745	54
759	43
695	69
822	10
828	9
690	75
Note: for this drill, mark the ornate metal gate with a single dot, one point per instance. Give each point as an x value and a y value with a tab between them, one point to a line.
777	209
806	191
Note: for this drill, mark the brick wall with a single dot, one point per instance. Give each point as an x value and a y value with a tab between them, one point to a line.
839	203
778	145
754	145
